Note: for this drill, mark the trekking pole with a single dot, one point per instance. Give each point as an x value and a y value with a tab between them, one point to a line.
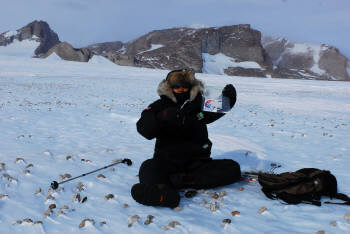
55	184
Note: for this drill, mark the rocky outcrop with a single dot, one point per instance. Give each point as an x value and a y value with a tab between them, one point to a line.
249	72
103	48
183	47
39	31
334	64
236	50
66	51
303	61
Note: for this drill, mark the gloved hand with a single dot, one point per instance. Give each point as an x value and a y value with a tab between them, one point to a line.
230	92
169	115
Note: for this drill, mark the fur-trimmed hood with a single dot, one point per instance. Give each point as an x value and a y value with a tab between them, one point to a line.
179	77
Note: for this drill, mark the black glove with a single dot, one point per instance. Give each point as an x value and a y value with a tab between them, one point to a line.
230	92
169	115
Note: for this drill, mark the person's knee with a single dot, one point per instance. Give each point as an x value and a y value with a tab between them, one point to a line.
233	168
147	165
152	172
146	171
236	169
235	165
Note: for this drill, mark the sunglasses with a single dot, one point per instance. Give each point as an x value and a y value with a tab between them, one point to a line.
185	86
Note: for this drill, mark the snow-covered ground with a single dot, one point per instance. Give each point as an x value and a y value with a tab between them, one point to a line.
59	117
17	48
216	64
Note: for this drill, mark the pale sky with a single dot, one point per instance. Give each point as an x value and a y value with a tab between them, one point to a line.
84	22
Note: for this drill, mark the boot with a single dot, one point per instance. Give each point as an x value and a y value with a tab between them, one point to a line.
155	195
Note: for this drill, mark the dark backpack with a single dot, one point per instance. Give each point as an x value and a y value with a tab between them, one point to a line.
306	185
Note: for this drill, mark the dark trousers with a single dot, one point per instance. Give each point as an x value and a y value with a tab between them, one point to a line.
197	174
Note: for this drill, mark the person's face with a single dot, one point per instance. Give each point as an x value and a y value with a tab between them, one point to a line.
180	88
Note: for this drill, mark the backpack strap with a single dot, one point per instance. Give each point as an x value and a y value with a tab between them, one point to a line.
289	200
311	202
340	196
269	194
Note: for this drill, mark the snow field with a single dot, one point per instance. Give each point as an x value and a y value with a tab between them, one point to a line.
67	117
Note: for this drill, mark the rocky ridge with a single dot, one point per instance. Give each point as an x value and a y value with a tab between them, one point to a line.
304	61
240	44
176	48
67	52
236	50
39	31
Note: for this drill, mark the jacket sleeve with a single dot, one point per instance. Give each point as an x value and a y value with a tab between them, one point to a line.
148	126
210	117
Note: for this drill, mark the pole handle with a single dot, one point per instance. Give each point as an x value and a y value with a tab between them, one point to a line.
127	161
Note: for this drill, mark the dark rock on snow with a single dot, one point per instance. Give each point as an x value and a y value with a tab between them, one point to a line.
39	31
66	51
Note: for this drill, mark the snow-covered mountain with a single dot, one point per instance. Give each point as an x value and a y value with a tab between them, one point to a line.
36	31
236	50
232	50
299	60
186	47
59	119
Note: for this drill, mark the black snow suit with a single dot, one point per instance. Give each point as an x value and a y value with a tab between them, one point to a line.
182	149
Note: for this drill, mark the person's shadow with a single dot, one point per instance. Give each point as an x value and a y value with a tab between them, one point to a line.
249	161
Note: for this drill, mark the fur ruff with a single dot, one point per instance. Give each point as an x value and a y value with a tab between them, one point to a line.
164	87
